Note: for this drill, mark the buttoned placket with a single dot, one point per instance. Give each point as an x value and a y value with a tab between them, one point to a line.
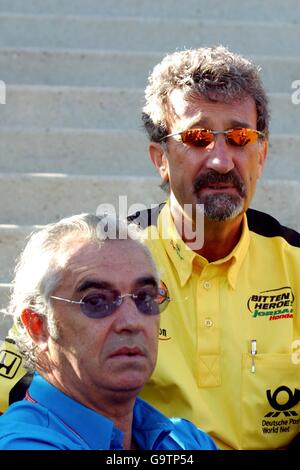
208	342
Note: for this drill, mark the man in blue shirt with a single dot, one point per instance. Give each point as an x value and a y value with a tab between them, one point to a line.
86	300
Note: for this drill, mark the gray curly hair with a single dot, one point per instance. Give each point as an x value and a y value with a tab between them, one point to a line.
40	270
215	73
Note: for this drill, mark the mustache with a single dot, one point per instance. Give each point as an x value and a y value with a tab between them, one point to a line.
210	177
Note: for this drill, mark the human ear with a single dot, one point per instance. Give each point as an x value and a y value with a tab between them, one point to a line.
35	325
159	159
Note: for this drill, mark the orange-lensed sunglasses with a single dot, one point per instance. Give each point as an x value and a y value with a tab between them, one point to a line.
239	136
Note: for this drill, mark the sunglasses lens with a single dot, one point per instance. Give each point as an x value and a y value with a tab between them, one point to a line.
146	304
151	302
197	137
241	137
100	305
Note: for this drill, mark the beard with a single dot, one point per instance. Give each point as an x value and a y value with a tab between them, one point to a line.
222	206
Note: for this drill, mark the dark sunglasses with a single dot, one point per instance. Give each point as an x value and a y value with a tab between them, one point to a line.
239	137
102	304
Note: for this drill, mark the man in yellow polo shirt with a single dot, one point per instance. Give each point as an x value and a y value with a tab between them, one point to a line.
228	356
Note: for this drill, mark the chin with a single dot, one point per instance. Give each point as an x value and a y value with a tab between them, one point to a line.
126	390
223	207
130	380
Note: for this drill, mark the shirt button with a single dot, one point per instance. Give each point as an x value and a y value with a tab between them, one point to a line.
208	322
206	285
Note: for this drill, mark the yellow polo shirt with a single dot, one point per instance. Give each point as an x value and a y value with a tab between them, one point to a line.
205	371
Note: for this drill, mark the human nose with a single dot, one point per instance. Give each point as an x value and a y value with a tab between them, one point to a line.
220	158
128	318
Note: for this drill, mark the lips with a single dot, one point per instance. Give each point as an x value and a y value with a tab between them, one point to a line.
127	351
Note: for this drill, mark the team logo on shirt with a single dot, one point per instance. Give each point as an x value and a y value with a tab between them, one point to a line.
177	249
276	304
292	400
163	335
284	419
9	364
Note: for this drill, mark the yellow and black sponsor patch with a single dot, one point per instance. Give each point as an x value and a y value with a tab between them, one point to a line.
275	304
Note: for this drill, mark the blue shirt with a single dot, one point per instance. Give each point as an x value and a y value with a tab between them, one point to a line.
48	419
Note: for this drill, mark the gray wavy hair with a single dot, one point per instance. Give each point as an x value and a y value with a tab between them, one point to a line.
40	269
215	73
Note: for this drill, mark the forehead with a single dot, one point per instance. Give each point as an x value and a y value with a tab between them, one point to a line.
191	110
119	262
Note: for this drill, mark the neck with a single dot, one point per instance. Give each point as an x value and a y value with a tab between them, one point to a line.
116	406
122	418
217	239
220	238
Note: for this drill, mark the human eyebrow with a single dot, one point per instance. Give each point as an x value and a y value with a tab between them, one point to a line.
235	124
205	123
90	283
198	122
145	280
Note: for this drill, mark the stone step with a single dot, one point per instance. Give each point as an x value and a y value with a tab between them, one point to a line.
38	199
281	199
256	10
110	68
105	108
75	151
84	107
283	160
145	34
111	152
27	199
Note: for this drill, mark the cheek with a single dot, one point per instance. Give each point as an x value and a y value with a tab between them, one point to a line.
254	173
182	161
83	335
153	337
247	167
